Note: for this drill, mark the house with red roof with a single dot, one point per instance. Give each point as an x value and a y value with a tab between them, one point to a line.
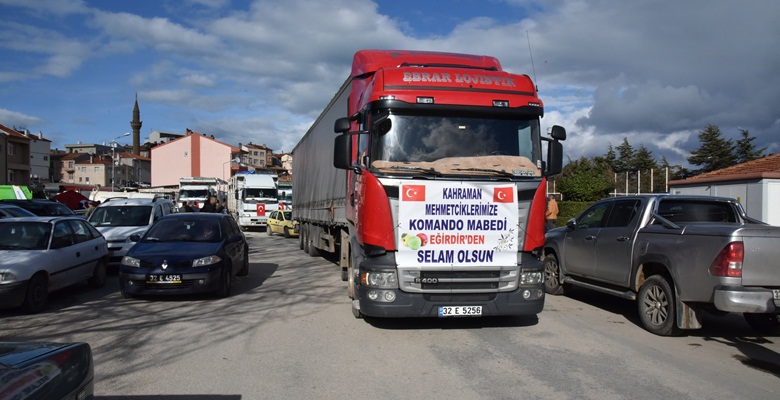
755	184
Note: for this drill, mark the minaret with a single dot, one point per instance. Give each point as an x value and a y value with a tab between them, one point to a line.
136	125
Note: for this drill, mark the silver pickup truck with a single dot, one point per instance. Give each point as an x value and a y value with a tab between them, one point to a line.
677	256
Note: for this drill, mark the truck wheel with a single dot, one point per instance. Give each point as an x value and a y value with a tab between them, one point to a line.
355	311
312	249
37	294
767	324
305	238
656	307
552	275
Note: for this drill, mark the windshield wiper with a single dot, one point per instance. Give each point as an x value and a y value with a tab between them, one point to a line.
495	171
417	169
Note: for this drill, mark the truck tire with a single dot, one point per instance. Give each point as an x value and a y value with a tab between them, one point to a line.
300	237
305	238
552	275
656	306
767	324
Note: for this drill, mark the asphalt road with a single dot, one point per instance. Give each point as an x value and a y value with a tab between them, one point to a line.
287	332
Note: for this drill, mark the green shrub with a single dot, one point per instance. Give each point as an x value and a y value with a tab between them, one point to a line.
570	209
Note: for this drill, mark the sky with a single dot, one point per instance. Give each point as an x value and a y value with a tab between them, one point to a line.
653	72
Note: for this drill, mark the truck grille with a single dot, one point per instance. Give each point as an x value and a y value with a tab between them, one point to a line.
460	281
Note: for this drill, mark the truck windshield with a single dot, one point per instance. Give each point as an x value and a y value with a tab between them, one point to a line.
456	145
256	193
194	193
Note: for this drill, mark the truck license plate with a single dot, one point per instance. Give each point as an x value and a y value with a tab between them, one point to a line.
163	279
776	294
460	311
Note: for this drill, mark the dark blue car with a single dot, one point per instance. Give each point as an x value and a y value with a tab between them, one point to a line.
185	253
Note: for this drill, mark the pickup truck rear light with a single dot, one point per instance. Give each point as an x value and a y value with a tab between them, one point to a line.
729	262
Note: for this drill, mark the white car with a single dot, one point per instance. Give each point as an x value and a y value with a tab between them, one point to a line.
119	218
39	255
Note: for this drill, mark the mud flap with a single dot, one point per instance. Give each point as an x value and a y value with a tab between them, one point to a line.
688	317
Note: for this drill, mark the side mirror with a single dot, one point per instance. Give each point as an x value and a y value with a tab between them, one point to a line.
558	132
554	164
571	224
342	152
341	125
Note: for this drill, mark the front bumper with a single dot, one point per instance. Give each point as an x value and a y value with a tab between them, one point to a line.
135	282
12	294
740	299
252	221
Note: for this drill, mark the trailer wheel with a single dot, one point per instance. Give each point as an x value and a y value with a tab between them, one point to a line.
656	306
305	238
300	237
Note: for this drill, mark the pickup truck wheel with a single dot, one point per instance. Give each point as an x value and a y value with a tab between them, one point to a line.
768	324
656	306
552	275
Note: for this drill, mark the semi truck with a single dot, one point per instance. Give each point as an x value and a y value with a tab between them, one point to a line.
424	175
251	198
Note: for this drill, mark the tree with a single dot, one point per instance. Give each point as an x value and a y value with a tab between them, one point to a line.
715	152
745	150
625	161
585	180
644	164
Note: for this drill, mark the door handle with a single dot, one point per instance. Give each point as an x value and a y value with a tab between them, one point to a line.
78	254
622	238
590	237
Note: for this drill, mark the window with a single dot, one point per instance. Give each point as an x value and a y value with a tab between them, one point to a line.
593	217
11	176
45	158
97	169
623	213
83	169
61	237
11	149
70	164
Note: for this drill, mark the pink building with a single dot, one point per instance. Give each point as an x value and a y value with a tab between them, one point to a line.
194	154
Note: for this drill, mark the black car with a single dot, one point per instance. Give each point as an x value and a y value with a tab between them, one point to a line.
12	211
46	371
41	207
185	253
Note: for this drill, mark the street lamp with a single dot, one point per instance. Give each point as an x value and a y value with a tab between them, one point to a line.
113	162
236	160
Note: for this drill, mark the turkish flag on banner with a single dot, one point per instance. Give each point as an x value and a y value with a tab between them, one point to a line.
260	210
503	195
413	193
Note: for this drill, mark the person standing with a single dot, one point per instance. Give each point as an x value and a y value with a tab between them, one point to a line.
552	212
211	206
185	207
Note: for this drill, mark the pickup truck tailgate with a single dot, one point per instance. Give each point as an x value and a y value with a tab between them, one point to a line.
761	266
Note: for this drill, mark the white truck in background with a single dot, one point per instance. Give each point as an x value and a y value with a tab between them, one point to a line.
198	189
284	191
251	198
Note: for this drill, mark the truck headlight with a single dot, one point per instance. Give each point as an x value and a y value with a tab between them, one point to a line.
379	279
131	261
530	278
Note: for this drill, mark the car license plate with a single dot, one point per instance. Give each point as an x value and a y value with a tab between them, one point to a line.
460	311
154	278
776	294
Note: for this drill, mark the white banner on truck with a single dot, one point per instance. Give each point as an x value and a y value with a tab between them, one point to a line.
457	224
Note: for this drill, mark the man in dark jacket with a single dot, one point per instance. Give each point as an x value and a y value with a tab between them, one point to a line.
211	206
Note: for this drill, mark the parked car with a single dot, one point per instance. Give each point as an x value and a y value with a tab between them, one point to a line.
676	256
185	253
119	218
39	255
41	207
12	211
37	371
282	222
